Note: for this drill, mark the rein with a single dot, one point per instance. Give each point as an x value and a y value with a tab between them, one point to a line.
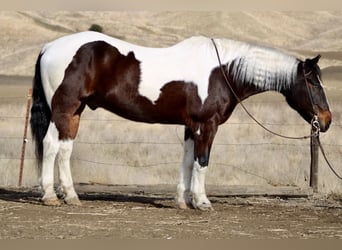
314	121
315	127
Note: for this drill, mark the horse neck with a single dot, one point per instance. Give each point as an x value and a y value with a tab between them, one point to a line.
253	82
243	91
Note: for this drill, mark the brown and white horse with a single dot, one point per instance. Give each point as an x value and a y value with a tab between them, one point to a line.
181	84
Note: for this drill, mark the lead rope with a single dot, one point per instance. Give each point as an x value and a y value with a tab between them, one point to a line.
326	159
314	122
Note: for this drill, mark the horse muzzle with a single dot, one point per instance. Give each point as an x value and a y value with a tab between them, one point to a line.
324	119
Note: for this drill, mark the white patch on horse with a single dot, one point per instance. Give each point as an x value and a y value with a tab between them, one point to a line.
184	185
189	61
63	159
199	199
51	147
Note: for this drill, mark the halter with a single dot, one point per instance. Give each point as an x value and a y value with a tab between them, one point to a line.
314	122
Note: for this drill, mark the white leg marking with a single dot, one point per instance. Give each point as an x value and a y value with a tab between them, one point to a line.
199	197
63	160
51	146
183	188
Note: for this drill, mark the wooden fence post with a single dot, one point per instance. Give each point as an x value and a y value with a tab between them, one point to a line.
22	158
314	146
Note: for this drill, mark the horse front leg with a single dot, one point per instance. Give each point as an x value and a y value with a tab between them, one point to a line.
199	197
183	189
203	141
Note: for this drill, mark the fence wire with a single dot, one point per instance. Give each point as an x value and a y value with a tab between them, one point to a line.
17	138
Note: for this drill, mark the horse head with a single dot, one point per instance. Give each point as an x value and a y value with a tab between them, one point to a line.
307	95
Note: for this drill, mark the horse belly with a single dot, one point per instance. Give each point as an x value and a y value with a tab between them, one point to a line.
141	109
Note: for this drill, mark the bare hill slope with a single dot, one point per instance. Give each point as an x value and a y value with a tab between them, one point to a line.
22	34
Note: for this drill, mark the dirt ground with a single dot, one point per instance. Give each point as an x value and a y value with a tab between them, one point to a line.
132	213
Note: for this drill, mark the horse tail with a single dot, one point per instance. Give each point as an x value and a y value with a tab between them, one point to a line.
40	113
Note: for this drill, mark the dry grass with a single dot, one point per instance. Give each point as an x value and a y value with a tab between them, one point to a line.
112	150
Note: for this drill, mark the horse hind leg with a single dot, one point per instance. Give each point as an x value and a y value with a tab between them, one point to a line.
67	125
60	151
65	177
51	147
66	115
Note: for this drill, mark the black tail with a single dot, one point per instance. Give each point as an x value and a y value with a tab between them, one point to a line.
40	113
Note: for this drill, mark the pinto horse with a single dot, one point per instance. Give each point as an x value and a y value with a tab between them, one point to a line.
182	84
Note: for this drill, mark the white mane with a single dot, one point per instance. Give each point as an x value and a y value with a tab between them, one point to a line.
266	68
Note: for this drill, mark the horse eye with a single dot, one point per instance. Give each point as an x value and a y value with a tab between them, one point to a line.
316	84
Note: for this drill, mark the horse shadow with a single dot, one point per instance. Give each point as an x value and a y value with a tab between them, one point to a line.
19	195
157	202
34	197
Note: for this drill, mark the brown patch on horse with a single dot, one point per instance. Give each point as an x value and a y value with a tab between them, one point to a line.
100	76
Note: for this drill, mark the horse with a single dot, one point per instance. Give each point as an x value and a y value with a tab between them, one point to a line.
183	84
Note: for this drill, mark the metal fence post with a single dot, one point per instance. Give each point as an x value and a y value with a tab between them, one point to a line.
314	146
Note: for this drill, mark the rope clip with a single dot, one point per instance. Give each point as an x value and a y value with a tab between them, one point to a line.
315	127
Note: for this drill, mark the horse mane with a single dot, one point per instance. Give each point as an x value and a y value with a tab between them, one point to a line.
266	68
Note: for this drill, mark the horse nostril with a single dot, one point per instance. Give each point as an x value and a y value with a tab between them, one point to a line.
328	124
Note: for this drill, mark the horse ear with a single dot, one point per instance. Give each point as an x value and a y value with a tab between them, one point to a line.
310	63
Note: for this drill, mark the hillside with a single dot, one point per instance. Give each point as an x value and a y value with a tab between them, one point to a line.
22	34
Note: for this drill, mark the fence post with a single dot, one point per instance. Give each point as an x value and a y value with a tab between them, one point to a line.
314	161
22	158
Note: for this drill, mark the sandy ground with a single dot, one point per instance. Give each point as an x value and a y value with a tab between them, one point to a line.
132	213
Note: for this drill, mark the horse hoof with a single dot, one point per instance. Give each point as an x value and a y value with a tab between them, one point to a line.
183	205
51	202
204	206
73	201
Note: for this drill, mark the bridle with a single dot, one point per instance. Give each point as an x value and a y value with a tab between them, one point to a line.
314	122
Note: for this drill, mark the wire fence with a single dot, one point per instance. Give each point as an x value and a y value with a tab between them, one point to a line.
11	139
18	137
